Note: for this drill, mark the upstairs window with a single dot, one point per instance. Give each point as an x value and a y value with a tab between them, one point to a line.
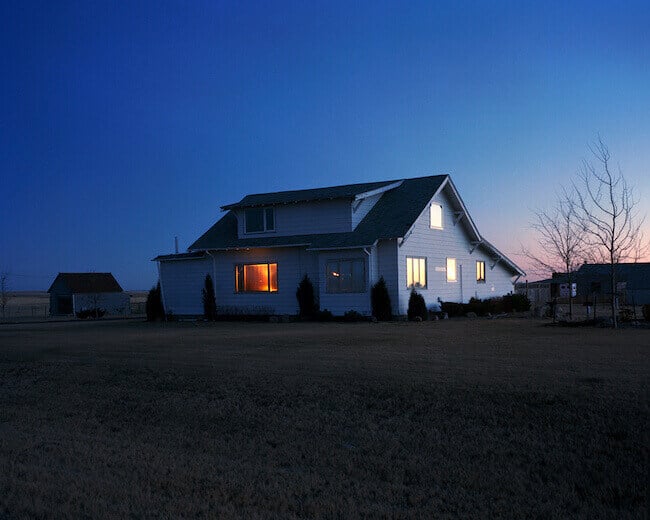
435	216
259	220
416	273
451	270
480	271
346	276
256	278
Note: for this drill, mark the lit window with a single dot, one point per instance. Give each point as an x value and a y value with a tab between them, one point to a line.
416	273
435	216
346	276
256	278
451	269
480	271
259	220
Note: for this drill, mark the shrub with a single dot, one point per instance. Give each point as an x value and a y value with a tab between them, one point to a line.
516	303
646	312
154	306
352	315
380	301
453	309
323	315
95	312
209	302
417	307
306	299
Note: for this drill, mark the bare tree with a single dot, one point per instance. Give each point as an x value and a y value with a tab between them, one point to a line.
608	214
558	235
4	293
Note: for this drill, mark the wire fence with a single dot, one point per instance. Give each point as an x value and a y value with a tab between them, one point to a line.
41	311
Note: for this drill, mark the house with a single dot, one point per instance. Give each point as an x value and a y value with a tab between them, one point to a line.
416	233
592	281
74	292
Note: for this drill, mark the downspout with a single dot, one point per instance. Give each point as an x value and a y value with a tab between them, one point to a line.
162	291
214	272
460	268
365	250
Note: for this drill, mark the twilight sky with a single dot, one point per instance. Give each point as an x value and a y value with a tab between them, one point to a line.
125	124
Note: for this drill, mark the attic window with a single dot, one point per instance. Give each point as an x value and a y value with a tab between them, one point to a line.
259	220
435	216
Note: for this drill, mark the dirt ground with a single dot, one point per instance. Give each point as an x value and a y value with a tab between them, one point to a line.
449	419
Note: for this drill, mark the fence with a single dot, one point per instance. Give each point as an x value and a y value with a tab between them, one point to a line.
41	311
12	312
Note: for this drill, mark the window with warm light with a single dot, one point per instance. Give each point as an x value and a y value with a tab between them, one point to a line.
416	273
346	276
451	270
256	278
480	271
435	216
259	220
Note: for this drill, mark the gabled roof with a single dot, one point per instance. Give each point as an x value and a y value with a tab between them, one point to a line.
88	282
349	191
393	216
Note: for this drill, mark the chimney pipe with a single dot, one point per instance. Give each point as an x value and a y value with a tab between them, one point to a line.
176	245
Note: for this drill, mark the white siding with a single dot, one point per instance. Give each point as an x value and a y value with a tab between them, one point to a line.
333	216
293	264
439	244
362	209
115	304
181	282
339	303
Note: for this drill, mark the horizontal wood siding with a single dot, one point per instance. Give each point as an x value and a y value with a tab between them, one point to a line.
181	282
363	208
293	264
436	245
339	303
333	216
114	304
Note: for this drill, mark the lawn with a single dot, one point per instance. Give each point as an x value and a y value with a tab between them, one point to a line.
457	418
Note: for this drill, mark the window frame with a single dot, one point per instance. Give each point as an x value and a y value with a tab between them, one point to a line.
328	287
426	275
455	260
482	271
265	220
431	226
239	275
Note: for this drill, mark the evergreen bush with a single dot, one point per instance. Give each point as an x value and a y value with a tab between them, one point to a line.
380	301
417	307
209	302
306	299
154	306
353	316
646	312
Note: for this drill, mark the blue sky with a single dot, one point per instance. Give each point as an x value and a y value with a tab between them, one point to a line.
125	124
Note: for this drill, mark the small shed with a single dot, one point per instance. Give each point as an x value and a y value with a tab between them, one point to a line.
74	292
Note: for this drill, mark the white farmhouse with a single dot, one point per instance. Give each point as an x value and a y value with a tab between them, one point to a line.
416	233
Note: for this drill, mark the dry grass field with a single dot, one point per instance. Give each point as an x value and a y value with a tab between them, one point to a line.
449	419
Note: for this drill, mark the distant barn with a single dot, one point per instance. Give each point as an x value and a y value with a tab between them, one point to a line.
74	292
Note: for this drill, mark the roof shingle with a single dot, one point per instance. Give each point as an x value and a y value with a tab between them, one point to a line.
88	282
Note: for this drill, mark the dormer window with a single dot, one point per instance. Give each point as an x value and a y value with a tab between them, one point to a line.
259	220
